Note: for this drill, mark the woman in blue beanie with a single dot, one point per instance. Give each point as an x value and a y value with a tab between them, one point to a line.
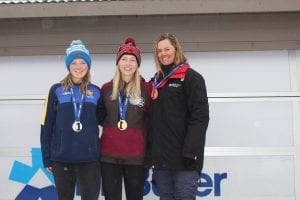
69	130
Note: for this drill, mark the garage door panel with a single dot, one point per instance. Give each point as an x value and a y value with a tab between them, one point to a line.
257	71
251	124
20	124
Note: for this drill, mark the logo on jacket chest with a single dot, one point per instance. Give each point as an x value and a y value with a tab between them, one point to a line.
90	94
137	102
174	85
66	93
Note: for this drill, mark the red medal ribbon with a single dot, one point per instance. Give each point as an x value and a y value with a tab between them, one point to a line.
179	73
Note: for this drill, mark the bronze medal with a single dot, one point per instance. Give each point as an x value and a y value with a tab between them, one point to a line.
154	93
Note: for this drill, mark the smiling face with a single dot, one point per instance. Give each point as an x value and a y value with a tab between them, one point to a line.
127	65
78	69
165	52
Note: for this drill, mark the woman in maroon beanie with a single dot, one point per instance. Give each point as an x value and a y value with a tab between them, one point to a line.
126	99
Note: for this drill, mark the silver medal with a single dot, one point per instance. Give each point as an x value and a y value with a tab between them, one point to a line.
77	126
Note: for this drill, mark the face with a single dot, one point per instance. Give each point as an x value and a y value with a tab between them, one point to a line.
127	65
165	52
78	69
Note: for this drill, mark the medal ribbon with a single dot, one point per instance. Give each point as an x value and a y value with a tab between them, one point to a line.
122	106
164	80
77	109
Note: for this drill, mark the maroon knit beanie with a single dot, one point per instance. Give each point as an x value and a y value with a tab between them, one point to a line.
129	47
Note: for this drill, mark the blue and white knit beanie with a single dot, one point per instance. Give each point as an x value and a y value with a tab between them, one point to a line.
77	50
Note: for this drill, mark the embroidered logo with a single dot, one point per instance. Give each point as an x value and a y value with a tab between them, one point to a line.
89	92
77	54
137	102
175	85
66	93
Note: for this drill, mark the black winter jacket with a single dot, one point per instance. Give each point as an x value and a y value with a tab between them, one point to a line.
178	122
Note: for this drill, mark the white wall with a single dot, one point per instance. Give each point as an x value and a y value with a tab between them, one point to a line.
253	139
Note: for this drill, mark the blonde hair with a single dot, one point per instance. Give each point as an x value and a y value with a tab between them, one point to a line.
179	55
67	82
133	88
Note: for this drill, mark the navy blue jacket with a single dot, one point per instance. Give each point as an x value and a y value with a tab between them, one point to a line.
58	140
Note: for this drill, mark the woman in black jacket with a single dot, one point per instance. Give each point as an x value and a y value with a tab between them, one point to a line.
179	118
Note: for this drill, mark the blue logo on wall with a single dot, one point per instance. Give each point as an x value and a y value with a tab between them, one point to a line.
23	173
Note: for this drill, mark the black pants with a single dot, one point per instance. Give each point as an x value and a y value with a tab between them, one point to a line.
176	184
134	180
86	174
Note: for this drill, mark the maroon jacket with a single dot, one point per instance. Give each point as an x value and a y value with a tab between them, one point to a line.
124	146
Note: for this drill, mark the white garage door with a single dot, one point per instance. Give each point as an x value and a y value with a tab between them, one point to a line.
253	139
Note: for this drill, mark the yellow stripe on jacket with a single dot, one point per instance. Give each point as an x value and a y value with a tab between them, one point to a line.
45	110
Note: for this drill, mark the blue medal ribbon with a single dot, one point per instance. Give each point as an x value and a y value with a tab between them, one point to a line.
77	109
122	106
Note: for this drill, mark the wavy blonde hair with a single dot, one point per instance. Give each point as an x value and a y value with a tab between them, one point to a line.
133	88
179	55
67	82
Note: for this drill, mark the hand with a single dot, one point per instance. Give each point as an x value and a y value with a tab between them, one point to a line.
188	162
49	169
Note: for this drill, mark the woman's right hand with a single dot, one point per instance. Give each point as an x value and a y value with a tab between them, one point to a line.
49	169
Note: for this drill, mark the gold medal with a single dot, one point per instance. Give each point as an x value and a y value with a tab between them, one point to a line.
154	93
122	125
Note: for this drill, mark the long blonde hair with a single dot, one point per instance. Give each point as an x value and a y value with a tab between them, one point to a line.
67	82
133	88
179	55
